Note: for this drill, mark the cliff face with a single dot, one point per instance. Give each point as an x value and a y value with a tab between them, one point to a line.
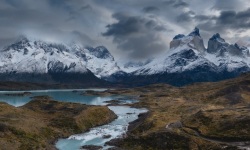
193	41
218	46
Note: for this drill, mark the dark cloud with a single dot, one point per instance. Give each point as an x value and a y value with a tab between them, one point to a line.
153	25
14	3
137	35
176	3
169	2
235	20
184	17
150	9
50	20
204	17
79	36
142	28
226	23
86	7
180	4
227	4
228	19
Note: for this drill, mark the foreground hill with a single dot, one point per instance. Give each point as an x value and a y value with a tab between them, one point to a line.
42	121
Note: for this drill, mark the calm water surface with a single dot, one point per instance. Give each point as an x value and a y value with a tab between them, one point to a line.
60	95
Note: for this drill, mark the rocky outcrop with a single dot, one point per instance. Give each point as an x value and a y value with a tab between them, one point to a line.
219	47
188	62
193	40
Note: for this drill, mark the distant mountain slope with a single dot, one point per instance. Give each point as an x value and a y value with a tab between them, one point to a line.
186	62
37	61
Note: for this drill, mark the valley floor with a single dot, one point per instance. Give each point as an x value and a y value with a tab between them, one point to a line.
199	116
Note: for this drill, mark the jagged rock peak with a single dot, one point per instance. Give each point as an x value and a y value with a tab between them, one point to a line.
22	39
179	36
217	37
195	32
100	52
102	49
21	43
217	44
237	46
193	41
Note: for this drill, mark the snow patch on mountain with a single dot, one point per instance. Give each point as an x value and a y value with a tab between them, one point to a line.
188	52
30	56
98	60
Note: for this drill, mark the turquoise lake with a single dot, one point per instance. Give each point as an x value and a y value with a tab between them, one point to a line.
94	136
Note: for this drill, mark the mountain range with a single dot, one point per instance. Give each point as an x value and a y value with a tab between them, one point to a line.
187	61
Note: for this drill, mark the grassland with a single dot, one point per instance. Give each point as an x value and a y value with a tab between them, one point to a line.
39	123
198	116
209	116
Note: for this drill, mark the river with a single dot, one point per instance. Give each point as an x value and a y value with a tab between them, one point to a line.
96	136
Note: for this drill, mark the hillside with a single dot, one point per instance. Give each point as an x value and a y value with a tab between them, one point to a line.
39	123
211	115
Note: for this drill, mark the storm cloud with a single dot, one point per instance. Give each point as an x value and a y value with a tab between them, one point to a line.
150	9
139	36
130	28
226	21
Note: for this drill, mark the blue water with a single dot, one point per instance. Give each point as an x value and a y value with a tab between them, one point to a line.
60	95
115	129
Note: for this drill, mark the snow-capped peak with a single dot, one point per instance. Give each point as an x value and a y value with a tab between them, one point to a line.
195	32
219	47
31	56
217	37
27	56
188	53
21	43
100	52
187	59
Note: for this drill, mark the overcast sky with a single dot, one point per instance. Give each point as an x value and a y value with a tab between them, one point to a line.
137	28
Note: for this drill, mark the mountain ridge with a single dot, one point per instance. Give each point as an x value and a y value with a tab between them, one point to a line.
186	62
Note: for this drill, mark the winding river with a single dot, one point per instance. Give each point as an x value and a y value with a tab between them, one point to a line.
96	136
